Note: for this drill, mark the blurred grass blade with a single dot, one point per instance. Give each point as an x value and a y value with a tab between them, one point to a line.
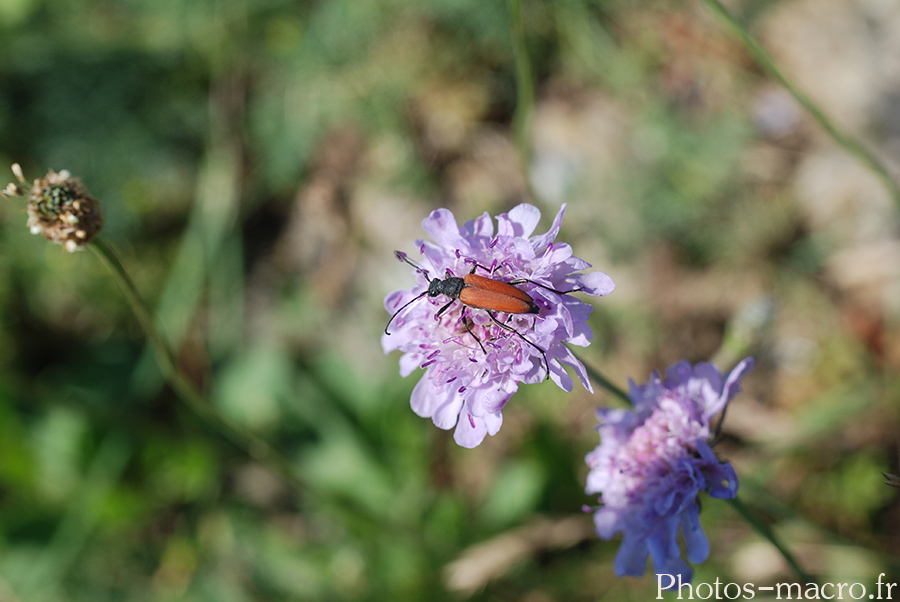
524	86
209	228
81	515
850	144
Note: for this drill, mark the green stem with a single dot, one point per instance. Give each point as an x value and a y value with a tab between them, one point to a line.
350	511
766	531
252	445
604	382
845	140
524	85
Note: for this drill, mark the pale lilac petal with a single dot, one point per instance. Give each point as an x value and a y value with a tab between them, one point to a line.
574	264
706	386
490	400
565	356
559	253
597	284
606	522
433	257
733	383
581	335
522	250
705	371
481	227
425	399
408	363
470	431
389	343
395	300
559	376
543	241
520	222
493	422
446	415
441	227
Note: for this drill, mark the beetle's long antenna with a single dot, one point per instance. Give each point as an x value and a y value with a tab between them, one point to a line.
552	290
405	305
401	256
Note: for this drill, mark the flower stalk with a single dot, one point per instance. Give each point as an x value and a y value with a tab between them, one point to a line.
605	383
248	442
849	143
766	531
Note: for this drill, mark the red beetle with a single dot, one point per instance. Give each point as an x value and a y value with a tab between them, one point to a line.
480	292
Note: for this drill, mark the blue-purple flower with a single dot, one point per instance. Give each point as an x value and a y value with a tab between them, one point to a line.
472	364
654	460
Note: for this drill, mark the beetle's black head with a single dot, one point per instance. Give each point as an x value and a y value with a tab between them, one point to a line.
450	287
435	287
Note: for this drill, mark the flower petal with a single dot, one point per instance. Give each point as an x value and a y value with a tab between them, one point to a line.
541	242
520	222
597	284
631	558
696	544
470	430
733	382
441	226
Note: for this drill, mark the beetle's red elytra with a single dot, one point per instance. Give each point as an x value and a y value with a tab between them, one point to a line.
486	293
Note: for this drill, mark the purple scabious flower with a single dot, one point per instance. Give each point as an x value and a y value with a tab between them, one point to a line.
654	460
468	380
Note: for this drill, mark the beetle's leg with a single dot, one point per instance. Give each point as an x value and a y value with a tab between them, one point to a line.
443	309
465	322
519	334
475	266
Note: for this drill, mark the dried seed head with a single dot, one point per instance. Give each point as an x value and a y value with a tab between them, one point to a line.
61	208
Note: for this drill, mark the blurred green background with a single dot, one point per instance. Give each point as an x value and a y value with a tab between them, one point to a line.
258	162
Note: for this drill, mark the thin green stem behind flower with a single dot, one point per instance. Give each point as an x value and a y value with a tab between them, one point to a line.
850	144
253	445
524	92
596	376
766	531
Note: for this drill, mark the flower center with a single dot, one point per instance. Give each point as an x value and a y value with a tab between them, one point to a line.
667	434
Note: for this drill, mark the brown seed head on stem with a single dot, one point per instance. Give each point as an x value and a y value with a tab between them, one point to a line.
59	207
